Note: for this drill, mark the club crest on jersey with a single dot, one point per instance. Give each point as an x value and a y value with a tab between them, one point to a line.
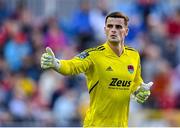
130	69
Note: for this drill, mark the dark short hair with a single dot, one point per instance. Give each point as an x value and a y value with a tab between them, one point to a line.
118	15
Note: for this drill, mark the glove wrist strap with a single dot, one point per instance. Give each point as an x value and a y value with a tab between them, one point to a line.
57	64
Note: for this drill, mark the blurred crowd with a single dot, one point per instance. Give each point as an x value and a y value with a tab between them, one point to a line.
30	96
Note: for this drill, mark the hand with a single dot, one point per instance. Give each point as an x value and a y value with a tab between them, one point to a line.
48	60
143	92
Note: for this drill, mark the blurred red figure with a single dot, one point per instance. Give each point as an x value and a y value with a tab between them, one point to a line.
173	24
161	91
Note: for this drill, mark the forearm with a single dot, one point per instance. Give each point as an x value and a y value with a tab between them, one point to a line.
65	67
72	67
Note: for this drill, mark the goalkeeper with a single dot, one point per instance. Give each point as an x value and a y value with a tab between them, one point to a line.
113	75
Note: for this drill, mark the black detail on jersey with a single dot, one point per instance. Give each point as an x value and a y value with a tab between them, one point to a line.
118	82
86	52
101	47
93	86
126	46
130	48
109	69
90	50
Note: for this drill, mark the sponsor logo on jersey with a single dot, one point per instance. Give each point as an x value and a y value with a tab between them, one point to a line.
83	55
109	69
130	69
119	84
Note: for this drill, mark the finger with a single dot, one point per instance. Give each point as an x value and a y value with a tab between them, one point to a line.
45	63
142	96
47	56
147	86
140	101
46	60
150	84
49	51
145	94
45	66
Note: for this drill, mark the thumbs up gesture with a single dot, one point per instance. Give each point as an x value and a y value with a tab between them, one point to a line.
48	60
143	92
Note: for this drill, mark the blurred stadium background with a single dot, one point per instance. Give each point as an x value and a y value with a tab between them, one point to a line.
30	96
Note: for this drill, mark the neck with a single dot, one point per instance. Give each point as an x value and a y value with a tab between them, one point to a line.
117	47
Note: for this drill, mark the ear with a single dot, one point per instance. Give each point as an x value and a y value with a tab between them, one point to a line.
105	29
127	31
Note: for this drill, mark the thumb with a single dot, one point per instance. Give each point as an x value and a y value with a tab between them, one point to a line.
148	85
50	52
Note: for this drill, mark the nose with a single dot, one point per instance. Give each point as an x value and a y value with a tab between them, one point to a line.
113	30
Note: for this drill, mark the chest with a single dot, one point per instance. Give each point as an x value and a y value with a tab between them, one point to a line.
116	76
123	68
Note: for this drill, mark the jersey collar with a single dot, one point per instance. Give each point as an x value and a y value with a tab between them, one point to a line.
111	52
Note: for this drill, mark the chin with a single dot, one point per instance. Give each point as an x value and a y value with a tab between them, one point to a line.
114	41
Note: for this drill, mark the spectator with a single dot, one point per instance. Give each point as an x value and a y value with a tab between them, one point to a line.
82	26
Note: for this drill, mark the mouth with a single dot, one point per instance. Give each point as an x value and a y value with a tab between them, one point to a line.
113	36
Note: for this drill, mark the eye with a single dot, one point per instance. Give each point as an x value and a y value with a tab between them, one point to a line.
110	26
119	27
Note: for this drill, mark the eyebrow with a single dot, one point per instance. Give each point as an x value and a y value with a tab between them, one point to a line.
116	24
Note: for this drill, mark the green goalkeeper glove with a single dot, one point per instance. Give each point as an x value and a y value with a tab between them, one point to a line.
143	92
48	60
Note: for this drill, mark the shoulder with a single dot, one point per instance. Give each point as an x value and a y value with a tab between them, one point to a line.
131	50
91	52
128	48
96	49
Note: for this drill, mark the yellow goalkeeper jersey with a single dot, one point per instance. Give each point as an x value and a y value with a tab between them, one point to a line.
110	81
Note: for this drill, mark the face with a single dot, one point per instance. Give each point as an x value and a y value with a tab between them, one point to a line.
116	30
